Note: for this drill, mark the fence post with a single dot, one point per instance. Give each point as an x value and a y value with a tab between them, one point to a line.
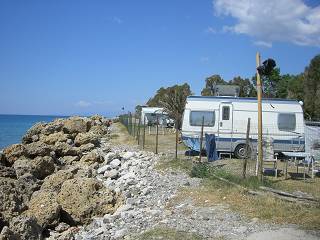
201	139
157	135
177	139
134	126
247	150
139	126
144	132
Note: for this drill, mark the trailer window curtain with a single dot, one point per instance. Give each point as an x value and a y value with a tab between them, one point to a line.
196	118
286	121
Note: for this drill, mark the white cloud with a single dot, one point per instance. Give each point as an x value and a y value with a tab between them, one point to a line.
270	21
263	43
82	103
204	59
117	20
210	30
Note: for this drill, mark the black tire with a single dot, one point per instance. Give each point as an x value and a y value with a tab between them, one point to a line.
240	151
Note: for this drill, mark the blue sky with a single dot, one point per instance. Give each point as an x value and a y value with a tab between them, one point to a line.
86	57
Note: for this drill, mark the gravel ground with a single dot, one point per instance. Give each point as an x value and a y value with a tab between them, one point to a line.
146	194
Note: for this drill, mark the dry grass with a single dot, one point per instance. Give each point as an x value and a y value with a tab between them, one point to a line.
268	208
169	234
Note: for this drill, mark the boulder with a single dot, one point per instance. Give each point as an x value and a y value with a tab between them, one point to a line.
54	137
86	147
70	159
11	199
53	127
113	174
104	168
63	149
115	163
7	172
37	149
75	125
110	156
54	182
99	130
44	208
40	167
14	152
26	228
90	158
33	131
128	155
85	138
83	198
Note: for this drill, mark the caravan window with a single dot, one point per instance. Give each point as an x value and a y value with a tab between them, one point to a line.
225	113
196	118
286	121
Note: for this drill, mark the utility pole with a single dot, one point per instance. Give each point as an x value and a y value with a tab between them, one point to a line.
259	94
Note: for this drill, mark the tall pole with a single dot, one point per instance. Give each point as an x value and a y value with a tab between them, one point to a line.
259	94
201	139
157	134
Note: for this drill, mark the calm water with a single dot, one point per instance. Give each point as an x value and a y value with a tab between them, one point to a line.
13	127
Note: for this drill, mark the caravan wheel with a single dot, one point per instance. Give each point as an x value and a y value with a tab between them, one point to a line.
240	151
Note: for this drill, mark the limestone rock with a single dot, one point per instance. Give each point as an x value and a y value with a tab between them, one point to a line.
63	149
26	228
104	168
83	198
113	174
12	201
70	159
55	181
33	131
115	163
75	125
14	152
44	208
7	172
54	137
37	149
90	158
40	167
84	138
86	147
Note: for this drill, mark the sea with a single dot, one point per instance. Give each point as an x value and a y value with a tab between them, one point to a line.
13	127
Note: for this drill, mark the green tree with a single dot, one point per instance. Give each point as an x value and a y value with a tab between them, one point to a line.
155	100
173	101
246	87
210	84
312	88
295	87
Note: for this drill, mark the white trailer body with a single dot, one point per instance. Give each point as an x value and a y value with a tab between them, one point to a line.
227	117
149	116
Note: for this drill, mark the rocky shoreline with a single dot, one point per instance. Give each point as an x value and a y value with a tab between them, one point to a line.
48	184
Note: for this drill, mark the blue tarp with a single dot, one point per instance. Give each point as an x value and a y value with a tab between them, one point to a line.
211	147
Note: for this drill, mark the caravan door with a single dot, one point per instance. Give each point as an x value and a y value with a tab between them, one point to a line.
225	118
224	141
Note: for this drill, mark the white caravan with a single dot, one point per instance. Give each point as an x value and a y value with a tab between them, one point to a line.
149	115
227	118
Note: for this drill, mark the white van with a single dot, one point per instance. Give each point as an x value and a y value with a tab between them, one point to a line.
227	118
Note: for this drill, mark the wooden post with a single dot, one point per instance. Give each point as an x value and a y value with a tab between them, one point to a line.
144	132
177	140
130	123
247	150
134	126
139	128
157	134
201	139
259	95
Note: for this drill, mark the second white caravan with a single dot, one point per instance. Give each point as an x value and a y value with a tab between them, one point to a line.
227	117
